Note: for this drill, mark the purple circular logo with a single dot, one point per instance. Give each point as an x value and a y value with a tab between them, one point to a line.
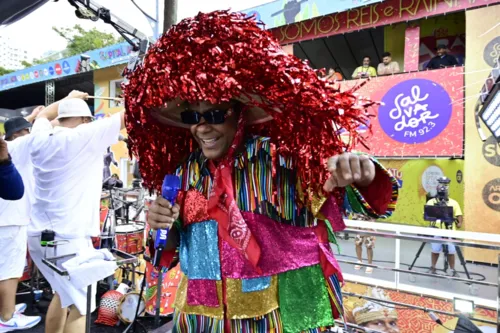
415	111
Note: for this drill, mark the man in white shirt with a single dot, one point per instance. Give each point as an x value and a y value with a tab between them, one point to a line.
67	164
14	219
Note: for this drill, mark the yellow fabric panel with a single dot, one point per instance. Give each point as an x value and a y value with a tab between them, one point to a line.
181	305
242	305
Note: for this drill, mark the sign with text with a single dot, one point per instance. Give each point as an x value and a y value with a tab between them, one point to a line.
91	60
421	114
374	15
412	50
281	12
482	163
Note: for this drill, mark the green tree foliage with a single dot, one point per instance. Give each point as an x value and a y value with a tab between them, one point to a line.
4	71
80	41
26	64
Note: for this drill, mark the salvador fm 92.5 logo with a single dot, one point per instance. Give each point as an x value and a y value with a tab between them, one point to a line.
415	111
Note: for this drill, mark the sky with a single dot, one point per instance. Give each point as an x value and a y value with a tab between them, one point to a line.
34	32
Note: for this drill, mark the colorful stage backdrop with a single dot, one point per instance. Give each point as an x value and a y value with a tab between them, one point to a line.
482	164
417	178
421	114
406	320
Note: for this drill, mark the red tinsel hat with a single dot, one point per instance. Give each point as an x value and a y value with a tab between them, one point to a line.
220	56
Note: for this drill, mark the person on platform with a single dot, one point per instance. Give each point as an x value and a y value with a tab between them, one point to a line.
367	241
442	198
442	59
113	182
109	158
387	66
14	218
365	70
248	129
11	182
68	164
334	75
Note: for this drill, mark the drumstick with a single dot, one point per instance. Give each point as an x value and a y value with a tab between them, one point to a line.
106	98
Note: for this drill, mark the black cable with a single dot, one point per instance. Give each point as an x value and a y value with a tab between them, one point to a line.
135	322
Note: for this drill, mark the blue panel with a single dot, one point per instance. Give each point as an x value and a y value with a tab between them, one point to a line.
257	284
199	251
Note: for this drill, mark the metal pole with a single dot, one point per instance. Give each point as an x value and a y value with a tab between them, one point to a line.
169	14
88	319
438	276
159	287
156	31
498	293
397	260
50	91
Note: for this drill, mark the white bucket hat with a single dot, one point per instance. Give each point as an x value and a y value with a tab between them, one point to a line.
72	108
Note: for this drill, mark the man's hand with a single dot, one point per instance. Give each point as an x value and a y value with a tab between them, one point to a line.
4	153
347	169
31	118
37	110
162	215
78	94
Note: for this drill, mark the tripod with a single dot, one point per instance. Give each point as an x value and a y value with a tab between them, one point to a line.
446	253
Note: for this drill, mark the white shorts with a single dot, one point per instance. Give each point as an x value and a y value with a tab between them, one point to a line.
13	256
67	292
438	247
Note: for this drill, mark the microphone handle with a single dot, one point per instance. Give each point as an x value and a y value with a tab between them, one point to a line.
161	241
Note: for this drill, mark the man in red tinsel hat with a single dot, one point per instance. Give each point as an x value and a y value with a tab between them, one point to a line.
251	132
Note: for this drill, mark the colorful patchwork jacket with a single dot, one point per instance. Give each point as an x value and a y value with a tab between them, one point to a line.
298	286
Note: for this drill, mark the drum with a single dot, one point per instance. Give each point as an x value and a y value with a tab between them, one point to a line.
28	267
128	307
104	212
132	196
170	282
130	238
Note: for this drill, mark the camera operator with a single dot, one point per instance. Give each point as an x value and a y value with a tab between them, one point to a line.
443	199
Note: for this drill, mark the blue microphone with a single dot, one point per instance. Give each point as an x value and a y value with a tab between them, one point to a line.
169	191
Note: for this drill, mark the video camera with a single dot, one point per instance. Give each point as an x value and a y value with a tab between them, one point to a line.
440	211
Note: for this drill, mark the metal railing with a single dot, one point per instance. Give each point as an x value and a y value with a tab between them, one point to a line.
423	235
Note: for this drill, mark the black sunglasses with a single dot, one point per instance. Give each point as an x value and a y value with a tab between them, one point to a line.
213	117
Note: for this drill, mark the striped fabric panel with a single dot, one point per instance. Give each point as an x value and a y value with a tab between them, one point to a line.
263	184
269	323
188	323
392	204
335	292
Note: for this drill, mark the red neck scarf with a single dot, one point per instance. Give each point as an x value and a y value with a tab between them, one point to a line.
223	208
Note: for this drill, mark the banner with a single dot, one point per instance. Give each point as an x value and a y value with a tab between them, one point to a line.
375	15
417	179
412	39
281	12
91	60
383	317
421	114
482	167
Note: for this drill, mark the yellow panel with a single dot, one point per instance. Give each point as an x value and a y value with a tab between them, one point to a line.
242	305
417	177
478	171
182	306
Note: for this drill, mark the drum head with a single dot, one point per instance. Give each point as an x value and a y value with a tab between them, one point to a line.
129	228
128	307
